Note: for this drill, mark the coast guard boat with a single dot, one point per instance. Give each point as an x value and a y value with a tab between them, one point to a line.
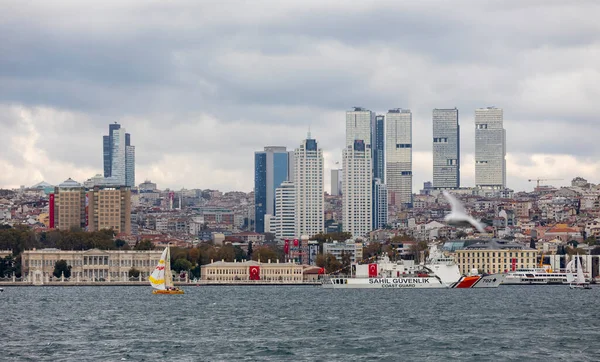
438	271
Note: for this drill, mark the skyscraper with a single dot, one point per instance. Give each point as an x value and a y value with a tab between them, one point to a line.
308	178
446	149
358	126
284	224
380	204
119	156
398	155
490	148
336	181
357	189
378	147
271	168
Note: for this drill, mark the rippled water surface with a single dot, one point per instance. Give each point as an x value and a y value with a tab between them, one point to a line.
299	324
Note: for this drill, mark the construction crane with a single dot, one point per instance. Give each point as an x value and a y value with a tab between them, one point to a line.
538	180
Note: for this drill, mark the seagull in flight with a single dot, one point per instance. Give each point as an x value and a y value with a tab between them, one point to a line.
458	215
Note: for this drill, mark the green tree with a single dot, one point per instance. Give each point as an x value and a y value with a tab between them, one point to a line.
591	241
346	261
264	254
119	243
61	268
195	272
182	265
249	249
416	250
226	252
134	273
145	244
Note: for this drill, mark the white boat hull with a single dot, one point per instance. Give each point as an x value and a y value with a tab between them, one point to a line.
488	281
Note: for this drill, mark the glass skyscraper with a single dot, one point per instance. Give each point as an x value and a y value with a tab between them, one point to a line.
378	147
272	167
119	156
446	149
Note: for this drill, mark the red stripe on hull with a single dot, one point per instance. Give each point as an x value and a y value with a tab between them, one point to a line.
468	282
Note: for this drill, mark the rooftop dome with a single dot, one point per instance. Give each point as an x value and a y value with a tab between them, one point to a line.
69	183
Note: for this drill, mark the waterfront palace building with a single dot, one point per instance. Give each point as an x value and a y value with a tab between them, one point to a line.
90	265
234	272
495	256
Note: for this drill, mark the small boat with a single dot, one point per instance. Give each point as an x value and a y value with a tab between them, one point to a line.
577	281
1	289
161	278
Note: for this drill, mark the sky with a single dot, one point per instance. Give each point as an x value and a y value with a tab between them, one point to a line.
202	85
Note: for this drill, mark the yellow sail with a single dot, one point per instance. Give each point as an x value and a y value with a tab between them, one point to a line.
158	276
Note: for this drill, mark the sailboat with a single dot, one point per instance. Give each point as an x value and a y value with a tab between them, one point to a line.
161	279
577	281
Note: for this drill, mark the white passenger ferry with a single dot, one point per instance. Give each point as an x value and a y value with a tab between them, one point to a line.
532	276
438	271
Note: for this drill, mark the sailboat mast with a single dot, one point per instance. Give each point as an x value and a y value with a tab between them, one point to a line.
168	276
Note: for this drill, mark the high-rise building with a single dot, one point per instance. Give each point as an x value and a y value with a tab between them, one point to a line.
67	206
336	181
119	156
107	142
109	208
271	168
310	198
378	147
380	204
490	148
357	189
358	126
446	149
398	155
284	224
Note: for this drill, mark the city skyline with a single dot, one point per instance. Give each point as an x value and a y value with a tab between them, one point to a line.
267	80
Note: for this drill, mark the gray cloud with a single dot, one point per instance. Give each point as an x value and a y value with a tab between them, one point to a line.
208	83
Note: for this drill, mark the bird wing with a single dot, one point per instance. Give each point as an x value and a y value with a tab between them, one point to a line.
478	225
457	206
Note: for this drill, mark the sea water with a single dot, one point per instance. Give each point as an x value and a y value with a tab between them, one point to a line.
287	323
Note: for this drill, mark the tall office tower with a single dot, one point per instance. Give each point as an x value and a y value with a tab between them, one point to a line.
378	147
490	148
380	204
109	208
446	149
336	181
357	189
271	168
129	162
67	206
398	156
107	142
284	224
310	198
119	156
358	126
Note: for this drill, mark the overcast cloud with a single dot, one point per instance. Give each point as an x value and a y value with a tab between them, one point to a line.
201	85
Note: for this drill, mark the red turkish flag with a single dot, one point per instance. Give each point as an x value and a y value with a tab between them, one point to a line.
295	242
322	271
513	264
372	270
254	272
286	246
